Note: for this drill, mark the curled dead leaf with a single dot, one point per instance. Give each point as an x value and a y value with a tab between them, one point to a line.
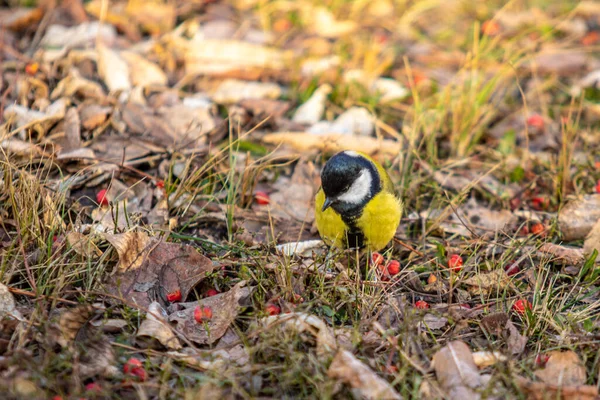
577	218
149	268
564	368
350	370
225	308
156	328
457	372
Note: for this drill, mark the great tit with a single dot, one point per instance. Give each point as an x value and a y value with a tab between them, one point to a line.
356	206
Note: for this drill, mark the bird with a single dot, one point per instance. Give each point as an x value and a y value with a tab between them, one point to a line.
356	205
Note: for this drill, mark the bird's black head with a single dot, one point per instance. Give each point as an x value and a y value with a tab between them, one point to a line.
349	181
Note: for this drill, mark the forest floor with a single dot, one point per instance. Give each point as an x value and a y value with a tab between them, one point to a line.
158	164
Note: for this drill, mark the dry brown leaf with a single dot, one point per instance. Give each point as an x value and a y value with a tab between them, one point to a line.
592	242
149	268
326	25
543	391
94	351
20	147
21	18
485	359
334	142
434	322
559	61
156	328
514	340
233	90
354	121
82	244
294	196
225	308
487	282
64	37
564	368
219	56
456	371
301	322
8	307
153	16
73	84
311	111
577	218
563	254
93	115
113	69
350	370
143	72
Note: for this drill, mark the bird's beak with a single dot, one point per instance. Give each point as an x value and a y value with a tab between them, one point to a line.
327	204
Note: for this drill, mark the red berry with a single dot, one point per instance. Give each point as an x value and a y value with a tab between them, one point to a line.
174	296
261	198
539	203
202	314
160	184
465	305
538	228
211	292
93	387
598	186
520	306
377	259
590	38
140	372
131	364
101	197
512	269
490	28
57	398
32	68
393	267
421	304
536	121
272	309
455	263
541	359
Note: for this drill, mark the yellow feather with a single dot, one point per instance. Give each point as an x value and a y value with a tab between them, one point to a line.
378	221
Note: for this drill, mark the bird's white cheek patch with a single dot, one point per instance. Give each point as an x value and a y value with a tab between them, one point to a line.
351	153
359	190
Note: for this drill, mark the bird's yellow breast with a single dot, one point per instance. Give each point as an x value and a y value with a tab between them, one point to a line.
377	222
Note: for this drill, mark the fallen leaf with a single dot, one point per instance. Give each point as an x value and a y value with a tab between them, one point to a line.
219	56
294	196
577	218
543	390
82	244
311	111
564	254
301	322
558	61
326	25
113	69
487	282
514	340
564	368
143	73
225	308
155	17
389	89
74	84
72	330
354	121
8	307
456	371
233	90
304	248
591	243
21	18
434	322
350	370
156	328
485	359
334	142
93	115
149	268
81	35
